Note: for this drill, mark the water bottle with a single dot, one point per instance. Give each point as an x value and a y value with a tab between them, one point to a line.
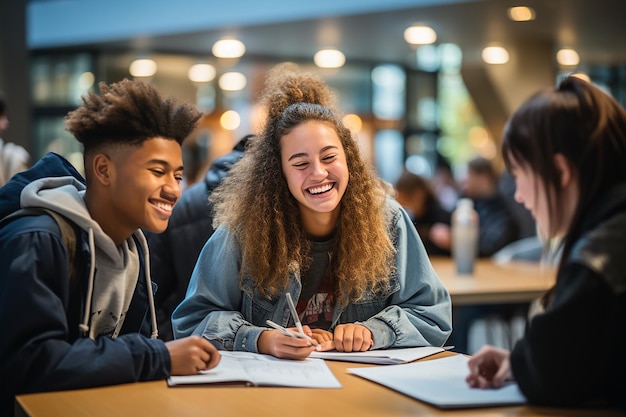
464	236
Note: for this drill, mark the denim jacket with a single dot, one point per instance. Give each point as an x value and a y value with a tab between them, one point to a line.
231	313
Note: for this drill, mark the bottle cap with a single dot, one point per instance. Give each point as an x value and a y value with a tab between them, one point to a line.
465	203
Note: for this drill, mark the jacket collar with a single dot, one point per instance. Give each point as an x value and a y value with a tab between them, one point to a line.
601	245
611	202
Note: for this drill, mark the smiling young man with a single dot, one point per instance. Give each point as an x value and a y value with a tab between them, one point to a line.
83	317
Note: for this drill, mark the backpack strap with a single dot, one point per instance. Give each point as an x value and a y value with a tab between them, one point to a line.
68	234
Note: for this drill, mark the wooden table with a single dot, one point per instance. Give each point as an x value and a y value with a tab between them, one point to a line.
358	397
494	283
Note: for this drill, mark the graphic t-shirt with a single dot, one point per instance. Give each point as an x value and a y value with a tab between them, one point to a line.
317	299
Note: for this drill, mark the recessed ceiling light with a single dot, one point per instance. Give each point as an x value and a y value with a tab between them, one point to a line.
352	122
201	73
230	120
495	55
521	14
329	58
567	57
420	35
228	48
582	76
86	80
232	81
143	68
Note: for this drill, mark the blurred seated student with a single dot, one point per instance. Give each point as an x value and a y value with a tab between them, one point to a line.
418	198
526	224
566	148
91	322
13	158
497	224
173	253
444	184
302	213
497	229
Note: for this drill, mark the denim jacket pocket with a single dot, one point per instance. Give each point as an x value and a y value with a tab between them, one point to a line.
255	308
371	304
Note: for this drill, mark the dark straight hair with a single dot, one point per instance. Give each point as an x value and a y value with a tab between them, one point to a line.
584	124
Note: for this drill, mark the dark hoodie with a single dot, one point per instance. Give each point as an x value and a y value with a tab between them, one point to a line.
174	252
45	348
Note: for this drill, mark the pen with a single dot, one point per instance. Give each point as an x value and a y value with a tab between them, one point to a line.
289	333
296	319
294	313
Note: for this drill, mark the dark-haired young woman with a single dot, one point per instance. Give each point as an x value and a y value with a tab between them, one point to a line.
566	148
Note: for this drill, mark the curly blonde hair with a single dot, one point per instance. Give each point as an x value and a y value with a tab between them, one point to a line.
255	203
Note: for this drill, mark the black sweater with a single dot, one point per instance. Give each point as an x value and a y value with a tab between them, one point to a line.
573	354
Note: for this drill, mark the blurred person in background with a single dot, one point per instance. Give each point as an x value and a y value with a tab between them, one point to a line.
444	184
13	158
418	198
498	226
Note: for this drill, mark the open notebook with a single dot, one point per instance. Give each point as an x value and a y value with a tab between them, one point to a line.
440	382
255	369
381	356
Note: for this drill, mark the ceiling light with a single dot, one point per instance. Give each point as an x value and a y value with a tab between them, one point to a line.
567	57
232	81
201	73
521	14
228	48
582	76
420	35
478	137
329	58
143	68
495	55
86	80
353	122
230	120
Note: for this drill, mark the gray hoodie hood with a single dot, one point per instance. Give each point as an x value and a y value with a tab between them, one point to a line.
114	268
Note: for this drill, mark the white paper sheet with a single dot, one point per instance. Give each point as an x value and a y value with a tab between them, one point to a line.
380	357
440	382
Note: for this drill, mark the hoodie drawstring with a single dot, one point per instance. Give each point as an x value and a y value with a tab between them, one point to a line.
146	253
84	326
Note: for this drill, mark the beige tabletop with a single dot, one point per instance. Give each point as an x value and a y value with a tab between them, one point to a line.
494	283
357	397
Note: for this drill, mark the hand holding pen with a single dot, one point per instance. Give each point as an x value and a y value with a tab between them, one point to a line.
287	343
296	335
346	338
